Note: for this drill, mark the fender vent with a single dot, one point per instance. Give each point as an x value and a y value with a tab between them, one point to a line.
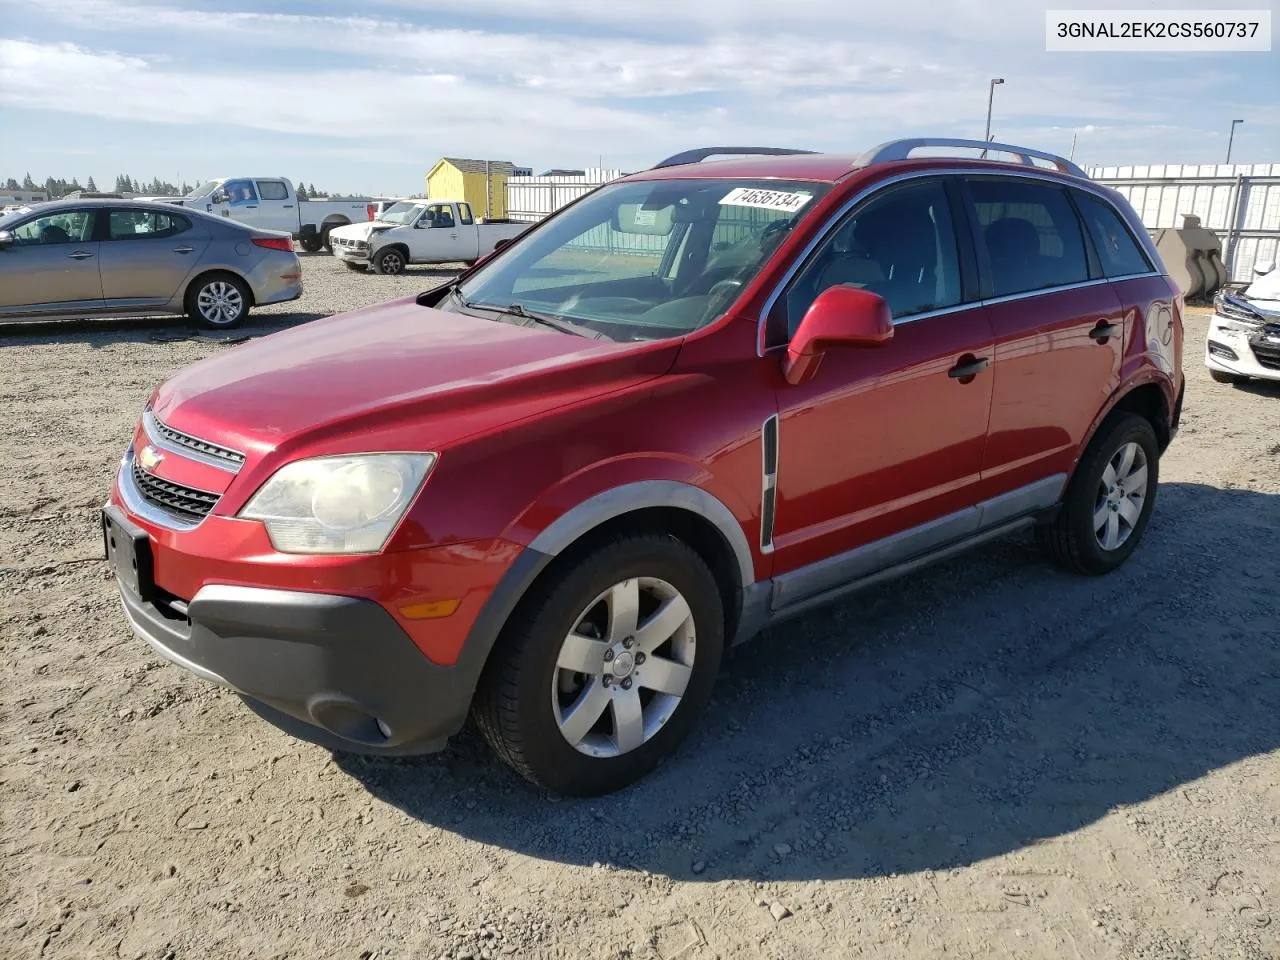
769	481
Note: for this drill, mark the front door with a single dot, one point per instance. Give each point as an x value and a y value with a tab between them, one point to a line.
50	265
1059	329
242	202
435	236
883	445
147	255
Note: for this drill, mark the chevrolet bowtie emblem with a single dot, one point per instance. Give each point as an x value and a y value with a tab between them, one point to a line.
149	457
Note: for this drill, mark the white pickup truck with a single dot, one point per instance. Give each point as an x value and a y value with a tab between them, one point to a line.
271	203
421	231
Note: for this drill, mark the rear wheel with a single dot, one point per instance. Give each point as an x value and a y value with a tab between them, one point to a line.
218	301
390	261
1109	502
311	243
601	679
1221	376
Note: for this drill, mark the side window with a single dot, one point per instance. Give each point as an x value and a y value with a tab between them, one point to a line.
66	226
464	214
1031	235
440	215
900	244
1117	250
273	190
240	192
144	224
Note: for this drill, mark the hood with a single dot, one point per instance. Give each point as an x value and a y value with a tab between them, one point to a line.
1265	291
353	381
361	231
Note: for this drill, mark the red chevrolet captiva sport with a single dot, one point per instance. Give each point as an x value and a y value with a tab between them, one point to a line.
698	400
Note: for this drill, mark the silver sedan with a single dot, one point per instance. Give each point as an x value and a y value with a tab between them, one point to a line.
111	258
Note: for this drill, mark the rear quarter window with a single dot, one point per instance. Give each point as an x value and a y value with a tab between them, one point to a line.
1118	251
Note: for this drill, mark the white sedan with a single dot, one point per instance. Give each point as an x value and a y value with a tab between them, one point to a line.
1244	335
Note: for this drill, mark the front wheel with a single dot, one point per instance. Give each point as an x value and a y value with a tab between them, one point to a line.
600	680
1109	501
218	301
391	261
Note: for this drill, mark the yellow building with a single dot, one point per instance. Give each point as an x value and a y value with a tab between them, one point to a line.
453	178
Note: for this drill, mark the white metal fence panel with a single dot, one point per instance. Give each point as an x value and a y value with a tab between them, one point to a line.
532	198
1238	202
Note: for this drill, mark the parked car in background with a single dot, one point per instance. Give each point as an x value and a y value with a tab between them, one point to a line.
421	231
1244	334
271	203
109	258
697	401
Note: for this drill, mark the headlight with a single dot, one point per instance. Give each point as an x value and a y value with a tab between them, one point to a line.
338	504
1232	309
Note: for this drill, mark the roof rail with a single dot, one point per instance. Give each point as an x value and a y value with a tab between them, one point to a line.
902	149
700	154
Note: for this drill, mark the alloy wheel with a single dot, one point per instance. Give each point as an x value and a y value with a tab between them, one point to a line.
622	670
220	303
1122	493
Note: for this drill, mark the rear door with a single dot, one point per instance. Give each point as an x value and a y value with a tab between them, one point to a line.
147	255
1059	328
883	443
50	265
277	209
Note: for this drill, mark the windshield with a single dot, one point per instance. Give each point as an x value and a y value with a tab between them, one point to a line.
400	213
203	190
645	260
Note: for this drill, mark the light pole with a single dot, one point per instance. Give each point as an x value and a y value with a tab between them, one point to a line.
991	95
1232	138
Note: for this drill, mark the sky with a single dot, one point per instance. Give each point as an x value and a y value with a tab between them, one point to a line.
365	97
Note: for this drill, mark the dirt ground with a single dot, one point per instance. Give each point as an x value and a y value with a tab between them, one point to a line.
990	759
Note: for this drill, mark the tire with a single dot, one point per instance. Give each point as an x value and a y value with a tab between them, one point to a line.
1221	376
527	700
324	237
1076	540
218	301
311	243
390	261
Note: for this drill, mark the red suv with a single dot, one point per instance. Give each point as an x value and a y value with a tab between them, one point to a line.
696	401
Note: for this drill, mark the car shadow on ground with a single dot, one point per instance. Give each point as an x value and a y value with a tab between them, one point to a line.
984	705
1260	388
101	332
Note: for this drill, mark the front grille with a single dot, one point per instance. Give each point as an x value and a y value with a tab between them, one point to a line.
1268	354
178	438
187	503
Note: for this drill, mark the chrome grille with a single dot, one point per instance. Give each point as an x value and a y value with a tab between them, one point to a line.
188	442
186	503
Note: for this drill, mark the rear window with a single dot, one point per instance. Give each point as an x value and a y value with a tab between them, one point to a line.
273	190
1118	251
1030	233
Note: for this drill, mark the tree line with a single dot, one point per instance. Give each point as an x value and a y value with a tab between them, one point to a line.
55	187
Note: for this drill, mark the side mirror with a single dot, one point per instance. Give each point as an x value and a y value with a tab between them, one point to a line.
1262	269
840	316
505	241
6	239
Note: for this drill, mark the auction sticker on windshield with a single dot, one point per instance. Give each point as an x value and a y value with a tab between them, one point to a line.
766	199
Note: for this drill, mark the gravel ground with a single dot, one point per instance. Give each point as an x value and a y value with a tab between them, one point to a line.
989	759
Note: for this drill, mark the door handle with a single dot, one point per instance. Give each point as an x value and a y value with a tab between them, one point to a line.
288	206
968	367
79	255
183	249
1104	331
251	206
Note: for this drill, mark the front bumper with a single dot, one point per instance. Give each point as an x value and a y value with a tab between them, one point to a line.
352	254
337	671
1228	347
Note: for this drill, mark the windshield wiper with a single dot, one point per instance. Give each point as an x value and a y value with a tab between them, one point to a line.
546	319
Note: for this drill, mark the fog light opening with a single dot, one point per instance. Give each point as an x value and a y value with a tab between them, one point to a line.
1222	350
